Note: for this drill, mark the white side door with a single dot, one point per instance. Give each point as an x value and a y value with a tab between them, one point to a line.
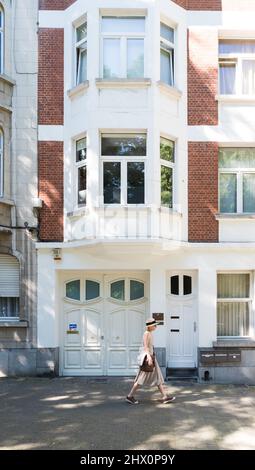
182	320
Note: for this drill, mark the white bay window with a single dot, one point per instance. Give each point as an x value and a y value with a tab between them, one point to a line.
237	180
81	53
81	171
123	47
123	168
237	67
233	305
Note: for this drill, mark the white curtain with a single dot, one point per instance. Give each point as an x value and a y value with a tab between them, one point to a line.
227	79
233	316
249	77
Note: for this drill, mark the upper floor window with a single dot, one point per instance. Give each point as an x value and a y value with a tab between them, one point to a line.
237	180
237	67
81	53
81	170
123	160
233	304
1	164
166	54
167	169
123	46
9	287
1	40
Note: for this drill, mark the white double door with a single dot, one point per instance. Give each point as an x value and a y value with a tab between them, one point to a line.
102	335
182	320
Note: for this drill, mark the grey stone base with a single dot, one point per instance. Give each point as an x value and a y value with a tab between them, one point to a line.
29	362
242	372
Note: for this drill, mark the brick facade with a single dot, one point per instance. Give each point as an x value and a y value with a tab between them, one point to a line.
50	164
203	191
202	77
55	4
51	76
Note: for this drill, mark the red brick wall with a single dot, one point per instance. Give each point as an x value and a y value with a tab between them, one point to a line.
51	76
202	77
55	4
182	3
203	191
50	163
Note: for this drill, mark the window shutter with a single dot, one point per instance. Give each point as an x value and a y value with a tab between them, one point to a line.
9	276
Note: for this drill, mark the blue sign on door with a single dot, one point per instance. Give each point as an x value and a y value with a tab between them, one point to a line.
72	326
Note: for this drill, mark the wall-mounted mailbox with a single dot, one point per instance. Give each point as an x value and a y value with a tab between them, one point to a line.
215	356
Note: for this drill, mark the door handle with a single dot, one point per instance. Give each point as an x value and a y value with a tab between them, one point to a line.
195	326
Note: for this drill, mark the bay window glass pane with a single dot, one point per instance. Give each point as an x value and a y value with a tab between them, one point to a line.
166	186
166	32
82	65
111	58
9	307
233	286
135	183
118	290
124	145
233	319
81	149
235	46
73	290
135	58
237	157
92	290
114	24
228	187
166	67
174	281
81	32
248	77
82	184
166	149
112	182
136	290
227	78
249	192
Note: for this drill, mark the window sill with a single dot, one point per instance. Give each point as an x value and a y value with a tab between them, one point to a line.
234	343
13	324
235	98
226	216
8	202
132	207
169	90
79	89
123	83
7	79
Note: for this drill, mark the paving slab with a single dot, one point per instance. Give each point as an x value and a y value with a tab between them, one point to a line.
91	414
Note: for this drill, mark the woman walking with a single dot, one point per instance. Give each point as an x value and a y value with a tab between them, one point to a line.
149	378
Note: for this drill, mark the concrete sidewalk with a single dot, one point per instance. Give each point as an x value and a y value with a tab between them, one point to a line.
89	414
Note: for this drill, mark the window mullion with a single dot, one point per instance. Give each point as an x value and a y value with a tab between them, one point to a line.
239	192
124	182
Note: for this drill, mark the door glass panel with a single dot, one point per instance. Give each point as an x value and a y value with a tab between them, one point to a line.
112	182
111	58
135	183
166	186
175	285
187	285
73	290
92	290
228	193
249	192
118	290
135	58
136	290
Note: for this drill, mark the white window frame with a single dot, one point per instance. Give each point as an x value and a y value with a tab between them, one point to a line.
78	165
1	163
168	46
237	59
123	37
239	172
2	40
79	46
123	160
168	164
248	300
